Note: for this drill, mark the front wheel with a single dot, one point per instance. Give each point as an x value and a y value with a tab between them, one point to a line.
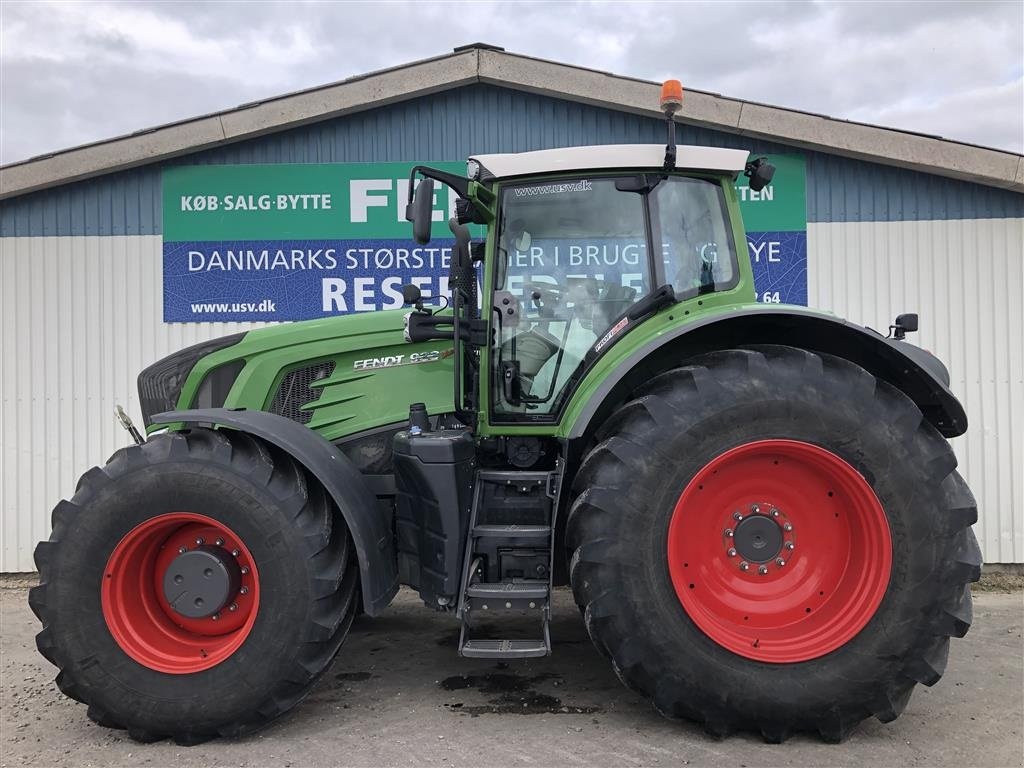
773	540
195	586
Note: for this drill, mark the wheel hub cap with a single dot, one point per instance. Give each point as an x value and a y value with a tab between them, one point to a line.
758	539
201	582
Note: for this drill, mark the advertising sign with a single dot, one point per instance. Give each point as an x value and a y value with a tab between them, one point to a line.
776	222
296	242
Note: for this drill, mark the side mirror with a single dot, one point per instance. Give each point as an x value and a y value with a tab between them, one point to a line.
908	322
903	325
421	211
760	172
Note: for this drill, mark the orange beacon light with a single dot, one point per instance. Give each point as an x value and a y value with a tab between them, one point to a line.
671	97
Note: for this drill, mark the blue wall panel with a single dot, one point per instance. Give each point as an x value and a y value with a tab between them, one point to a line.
484	118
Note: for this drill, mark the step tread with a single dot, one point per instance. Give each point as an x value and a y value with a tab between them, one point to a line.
523	531
513	477
505	649
513	589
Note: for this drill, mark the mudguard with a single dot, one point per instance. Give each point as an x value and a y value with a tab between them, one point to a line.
914	371
370	530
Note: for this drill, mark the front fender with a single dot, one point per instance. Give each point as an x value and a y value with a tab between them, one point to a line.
371	531
914	371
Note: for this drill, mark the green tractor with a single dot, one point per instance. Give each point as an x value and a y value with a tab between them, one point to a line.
756	506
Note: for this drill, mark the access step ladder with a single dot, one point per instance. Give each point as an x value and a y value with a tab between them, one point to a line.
507	569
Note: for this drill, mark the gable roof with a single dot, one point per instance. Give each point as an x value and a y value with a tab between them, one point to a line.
479	63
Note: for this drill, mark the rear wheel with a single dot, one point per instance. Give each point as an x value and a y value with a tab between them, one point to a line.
195	586
773	540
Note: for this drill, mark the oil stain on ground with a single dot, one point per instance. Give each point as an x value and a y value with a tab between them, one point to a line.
353	676
511	695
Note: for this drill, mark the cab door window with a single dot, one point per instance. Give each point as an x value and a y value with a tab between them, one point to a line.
572	256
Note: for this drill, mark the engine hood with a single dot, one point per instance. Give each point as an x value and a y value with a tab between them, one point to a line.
338	376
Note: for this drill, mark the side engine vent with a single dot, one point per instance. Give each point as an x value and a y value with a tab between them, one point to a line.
295	391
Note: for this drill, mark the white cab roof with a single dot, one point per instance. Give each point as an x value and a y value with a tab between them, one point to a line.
610	156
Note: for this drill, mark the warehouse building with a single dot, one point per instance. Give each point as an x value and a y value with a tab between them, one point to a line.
120	252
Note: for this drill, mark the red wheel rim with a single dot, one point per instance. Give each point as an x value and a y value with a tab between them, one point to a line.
138	615
832	567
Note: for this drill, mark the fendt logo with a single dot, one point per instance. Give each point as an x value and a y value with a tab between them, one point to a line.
392	360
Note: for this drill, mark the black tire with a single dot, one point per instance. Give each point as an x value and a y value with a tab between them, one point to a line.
308	579
646	454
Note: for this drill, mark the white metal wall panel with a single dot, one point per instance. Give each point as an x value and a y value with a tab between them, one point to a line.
966	280
81	316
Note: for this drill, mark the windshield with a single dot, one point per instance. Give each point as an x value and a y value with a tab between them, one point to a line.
571	260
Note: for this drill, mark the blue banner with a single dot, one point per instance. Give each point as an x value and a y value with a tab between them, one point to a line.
305	279
779	260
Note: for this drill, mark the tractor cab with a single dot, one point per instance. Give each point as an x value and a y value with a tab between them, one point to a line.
579	258
582	244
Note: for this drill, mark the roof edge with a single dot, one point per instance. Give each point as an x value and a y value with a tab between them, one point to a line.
886	146
491	65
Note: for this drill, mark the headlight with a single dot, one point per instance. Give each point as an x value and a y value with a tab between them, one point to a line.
160	384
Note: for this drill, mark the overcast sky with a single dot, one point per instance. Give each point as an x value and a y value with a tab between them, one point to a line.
71	73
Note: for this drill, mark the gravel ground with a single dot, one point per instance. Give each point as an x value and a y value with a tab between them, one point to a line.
398	694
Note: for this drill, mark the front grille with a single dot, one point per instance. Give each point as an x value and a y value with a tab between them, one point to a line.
295	391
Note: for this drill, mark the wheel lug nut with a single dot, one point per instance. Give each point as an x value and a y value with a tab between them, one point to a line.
780	562
182	550
737	516
744	565
731	552
728	532
775	512
787	526
215	616
233	607
244	591
234	552
219	542
755	508
245	568
790	545
199	541
763	570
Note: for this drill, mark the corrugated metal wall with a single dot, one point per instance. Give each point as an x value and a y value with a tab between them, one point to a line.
81	313
965	278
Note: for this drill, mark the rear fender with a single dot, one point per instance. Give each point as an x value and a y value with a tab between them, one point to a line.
914	371
371	532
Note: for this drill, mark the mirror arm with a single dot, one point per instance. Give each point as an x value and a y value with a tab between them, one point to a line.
459	183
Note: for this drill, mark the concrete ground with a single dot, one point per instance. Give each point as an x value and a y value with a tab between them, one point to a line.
398	694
